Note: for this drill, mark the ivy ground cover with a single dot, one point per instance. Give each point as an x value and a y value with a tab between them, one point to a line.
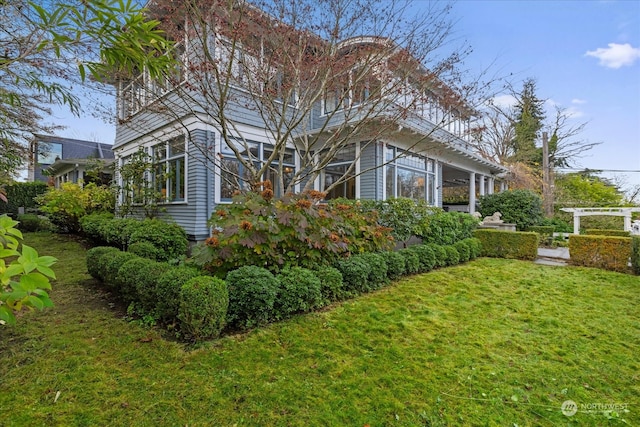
491	342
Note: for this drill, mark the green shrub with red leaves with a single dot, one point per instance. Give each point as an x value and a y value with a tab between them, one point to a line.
292	231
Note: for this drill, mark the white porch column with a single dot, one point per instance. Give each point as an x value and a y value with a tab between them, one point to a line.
492	184
503	186
472	192
627	221
482	185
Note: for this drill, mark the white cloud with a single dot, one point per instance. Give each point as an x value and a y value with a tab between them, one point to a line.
573	112
616	55
504	101
578	101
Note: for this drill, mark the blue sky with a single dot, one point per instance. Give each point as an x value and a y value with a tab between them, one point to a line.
585	56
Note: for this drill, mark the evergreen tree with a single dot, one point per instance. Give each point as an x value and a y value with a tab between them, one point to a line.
528	120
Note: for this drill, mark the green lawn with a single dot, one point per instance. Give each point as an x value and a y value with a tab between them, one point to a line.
492	342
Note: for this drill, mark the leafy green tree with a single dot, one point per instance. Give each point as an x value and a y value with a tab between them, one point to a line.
586	190
25	279
49	48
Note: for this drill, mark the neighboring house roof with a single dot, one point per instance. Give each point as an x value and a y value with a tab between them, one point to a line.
78	148
73	149
63	164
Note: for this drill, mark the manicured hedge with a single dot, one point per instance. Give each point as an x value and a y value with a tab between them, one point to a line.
606	252
180	297
543	230
252	295
203	307
635	254
330	283
22	194
169	240
508	244
95	260
299	291
606	232
355	273
29	222
183	300
447	228
168	291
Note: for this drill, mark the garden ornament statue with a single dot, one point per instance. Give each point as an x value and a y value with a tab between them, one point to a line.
493	219
635	228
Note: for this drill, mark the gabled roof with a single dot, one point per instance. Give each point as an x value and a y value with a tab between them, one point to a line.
78	148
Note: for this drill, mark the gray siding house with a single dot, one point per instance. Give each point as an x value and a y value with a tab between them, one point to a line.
426	150
56	160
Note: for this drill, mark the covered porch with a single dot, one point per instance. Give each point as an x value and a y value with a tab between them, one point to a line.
461	187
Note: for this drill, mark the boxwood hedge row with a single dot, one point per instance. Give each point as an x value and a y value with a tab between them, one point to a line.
178	296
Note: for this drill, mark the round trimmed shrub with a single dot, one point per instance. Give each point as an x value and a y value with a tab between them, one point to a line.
452	257
475	246
298	291
117	231
331	287
168	291
94	256
426	256
204	301
170	240
378	269
411	261
91	224
355	275
463	250
440	255
136	280
252	293
395	264
28	222
111	264
144	250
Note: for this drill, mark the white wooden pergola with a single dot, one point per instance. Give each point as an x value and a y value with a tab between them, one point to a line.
580	212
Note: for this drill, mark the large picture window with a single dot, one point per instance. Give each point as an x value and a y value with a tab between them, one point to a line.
234	176
409	175
169	170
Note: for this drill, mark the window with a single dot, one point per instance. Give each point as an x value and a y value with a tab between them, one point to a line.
282	87
169	170
134	178
333	100
364	87
337	170
49	152
409	175
136	93
234	176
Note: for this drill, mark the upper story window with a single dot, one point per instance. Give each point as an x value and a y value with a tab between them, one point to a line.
361	85
49	152
138	92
